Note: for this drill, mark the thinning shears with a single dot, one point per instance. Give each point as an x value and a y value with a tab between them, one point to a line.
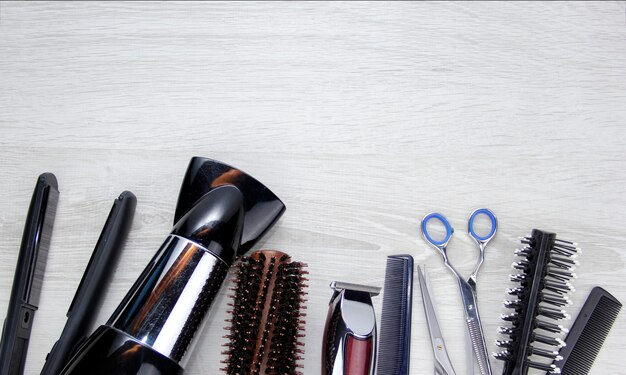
467	287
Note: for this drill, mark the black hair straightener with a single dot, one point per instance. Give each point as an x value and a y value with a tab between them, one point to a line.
28	280
92	288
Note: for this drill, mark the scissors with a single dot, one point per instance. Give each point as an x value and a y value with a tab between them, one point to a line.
467	287
443	366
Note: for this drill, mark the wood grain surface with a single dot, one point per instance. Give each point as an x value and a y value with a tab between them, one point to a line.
361	116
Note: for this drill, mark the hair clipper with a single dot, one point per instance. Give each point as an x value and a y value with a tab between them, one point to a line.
349	346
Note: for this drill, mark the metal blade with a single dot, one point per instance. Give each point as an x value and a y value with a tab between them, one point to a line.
442	360
479	345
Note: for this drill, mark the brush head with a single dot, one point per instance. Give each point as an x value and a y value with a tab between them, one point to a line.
544	271
267	321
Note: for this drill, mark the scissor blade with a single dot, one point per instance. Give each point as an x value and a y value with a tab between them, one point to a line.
471	358
443	365
478	343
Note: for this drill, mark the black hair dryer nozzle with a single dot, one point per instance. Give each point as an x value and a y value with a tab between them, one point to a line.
221	213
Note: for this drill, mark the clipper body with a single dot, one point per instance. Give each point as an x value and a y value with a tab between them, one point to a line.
349	346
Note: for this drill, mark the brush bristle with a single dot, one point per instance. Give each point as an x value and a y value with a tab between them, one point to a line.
544	271
267	318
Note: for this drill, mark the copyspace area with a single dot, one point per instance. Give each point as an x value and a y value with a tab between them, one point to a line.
362	117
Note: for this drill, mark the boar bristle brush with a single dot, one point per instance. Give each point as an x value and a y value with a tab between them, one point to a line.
545	269
267	322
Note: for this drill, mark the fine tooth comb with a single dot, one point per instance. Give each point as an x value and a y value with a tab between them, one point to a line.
546	267
267	323
395	327
588	333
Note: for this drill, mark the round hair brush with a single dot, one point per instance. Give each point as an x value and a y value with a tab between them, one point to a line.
267	323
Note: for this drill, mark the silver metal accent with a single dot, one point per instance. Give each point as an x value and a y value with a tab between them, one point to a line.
443	366
468	293
340	285
170	305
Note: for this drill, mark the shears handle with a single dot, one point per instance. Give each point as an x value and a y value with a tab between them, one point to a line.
441	244
482	240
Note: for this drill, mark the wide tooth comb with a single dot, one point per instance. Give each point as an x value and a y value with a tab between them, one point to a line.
544	271
264	334
395	327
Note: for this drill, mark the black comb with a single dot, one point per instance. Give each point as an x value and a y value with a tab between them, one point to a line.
395	327
588	333
546	266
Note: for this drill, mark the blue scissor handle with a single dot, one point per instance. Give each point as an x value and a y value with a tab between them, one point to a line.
446	224
492	218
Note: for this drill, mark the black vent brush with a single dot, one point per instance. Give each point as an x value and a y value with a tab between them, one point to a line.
588	333
545	269
267	322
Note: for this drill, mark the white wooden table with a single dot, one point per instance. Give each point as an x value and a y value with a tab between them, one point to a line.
362	117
